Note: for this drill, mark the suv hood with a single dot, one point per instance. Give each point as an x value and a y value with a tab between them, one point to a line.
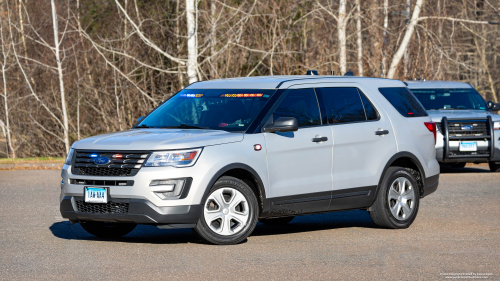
157	139
437	115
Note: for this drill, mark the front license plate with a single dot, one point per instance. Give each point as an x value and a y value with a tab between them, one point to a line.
468	146
96	195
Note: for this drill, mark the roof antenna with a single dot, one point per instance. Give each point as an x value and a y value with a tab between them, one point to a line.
332	72
349	73
312	72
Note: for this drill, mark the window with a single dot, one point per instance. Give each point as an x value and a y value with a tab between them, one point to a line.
216	109
342	105
403	101
435	99
301	104
371	112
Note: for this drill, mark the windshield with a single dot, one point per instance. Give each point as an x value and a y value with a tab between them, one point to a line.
217	109
433	99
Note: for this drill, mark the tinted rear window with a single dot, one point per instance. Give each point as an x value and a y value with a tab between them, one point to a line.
403	101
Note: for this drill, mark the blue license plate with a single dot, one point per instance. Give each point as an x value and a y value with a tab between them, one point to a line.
468	146
96	195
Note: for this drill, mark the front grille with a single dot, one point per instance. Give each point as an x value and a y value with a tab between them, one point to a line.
101	182
117	206
121	164
456	128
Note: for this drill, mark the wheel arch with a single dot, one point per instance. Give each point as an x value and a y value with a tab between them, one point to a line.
406	160
243	172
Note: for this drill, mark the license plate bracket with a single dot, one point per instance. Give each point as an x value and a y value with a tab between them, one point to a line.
96	194
468	146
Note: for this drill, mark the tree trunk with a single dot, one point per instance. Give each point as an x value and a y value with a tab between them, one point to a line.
384	37
410	29
407	50
61	81
359	39
341	27
192	63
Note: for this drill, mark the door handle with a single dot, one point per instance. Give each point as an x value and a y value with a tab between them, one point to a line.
381	132
320	139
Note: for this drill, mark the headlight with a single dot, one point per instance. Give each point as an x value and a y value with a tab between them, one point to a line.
69	157
176	158
496	125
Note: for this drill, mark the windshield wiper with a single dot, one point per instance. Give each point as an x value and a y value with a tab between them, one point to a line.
455	108
185	126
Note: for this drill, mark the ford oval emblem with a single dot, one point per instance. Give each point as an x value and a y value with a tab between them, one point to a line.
101	160
467	127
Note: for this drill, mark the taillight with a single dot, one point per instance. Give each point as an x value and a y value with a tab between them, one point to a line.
431	126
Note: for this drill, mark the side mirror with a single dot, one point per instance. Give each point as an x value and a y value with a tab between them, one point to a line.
140	119
493	106
282	125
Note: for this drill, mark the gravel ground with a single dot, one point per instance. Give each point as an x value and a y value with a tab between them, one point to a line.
456	231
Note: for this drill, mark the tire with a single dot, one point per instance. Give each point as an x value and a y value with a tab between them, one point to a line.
108	229
458	165
399	217
230	212
276	221
494	167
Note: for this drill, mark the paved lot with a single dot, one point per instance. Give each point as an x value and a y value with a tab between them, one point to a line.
456	231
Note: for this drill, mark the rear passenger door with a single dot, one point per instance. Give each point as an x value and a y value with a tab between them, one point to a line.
299	164
362	141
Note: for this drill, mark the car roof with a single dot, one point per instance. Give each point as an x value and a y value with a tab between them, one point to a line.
282	81
437	84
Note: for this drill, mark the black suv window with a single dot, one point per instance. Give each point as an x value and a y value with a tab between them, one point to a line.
301	104
342	105
403	101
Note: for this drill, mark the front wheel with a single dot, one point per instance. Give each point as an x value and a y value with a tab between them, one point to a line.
397	201
230	212
494	167
107	229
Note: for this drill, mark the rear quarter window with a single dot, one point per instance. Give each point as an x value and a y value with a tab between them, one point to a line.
403	101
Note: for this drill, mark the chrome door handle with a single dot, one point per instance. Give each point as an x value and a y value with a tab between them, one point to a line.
381	132
320	139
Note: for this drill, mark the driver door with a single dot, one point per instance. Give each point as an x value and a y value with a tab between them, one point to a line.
300	166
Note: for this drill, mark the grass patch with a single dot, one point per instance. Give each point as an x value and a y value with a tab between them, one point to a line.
32	160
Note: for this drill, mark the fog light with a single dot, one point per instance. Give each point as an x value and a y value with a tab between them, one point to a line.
170	189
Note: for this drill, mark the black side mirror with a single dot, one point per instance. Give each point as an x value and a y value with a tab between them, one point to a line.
140	119
282	125
493	106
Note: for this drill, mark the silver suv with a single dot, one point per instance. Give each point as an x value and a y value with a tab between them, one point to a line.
221	155
468	130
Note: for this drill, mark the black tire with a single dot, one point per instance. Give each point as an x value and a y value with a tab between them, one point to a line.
205	232
458	165
108	229
276	221
494	167
380	211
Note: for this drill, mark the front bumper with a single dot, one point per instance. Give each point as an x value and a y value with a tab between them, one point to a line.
139	211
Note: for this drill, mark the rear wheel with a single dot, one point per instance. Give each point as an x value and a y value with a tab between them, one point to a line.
276	221
494	167
108	229
397	201
230	212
